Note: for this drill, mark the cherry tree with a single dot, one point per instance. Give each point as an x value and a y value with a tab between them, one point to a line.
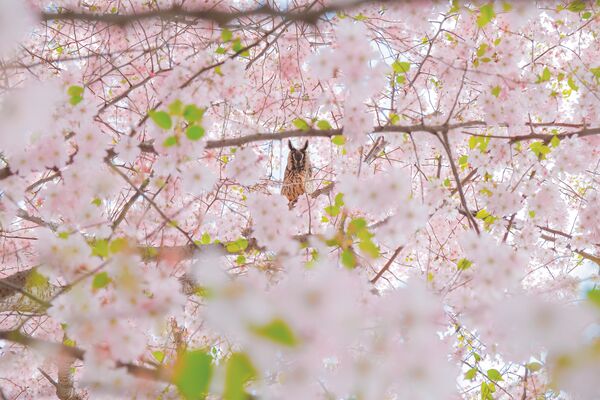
447	245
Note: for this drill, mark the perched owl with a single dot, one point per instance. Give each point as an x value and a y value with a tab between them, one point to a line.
297	173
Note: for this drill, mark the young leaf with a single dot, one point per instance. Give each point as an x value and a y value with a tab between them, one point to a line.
193	372
226	35
176	107
338	140
593	295
170	141
545	76
576	6
463	264
75	91
158	356
238	372
101	280
276	331
301	124
191	113
470	374
161	119
494	375
194	132
534	366
496	91
323	125
401	67
348	259
100	248
486	14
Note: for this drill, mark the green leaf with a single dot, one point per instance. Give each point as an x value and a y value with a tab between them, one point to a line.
555	141
455	7
593	295
100	248
463	161
75	100
496	91
176	107
237	45
370	248
482	49
348	259
161	119
534	366
576	6
118	244
485	392
470	374
193	372
539	149
486	14
482	214
463	264
101	280
596	72
191	113
394	118
401	67
323	125
170	141
240	260
238	372
494	375
75	91
339	199
332	210
205	239
194	132
301	124
357	225
572	84
338	140
35	280
226	35
276	331
158	356
237	246
400	79
545	76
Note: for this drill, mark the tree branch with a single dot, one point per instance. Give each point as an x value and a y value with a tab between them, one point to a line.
178	13
60	349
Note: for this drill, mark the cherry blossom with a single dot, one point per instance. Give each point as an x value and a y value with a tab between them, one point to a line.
446	244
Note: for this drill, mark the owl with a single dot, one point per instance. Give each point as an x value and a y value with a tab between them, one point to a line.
297	173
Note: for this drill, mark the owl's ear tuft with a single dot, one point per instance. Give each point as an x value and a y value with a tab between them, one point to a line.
290	145
305	146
